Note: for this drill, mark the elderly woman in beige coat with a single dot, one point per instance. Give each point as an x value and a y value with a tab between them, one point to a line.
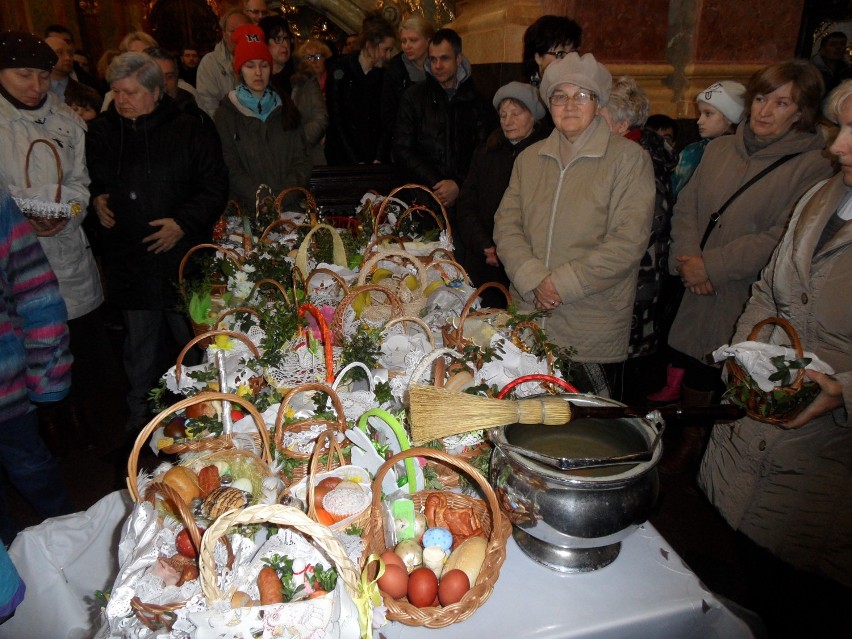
782	106
574	221
788	488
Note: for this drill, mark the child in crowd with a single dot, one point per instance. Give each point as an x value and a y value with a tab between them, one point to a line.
84	100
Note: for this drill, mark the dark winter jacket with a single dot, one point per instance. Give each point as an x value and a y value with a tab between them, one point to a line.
397	80
354	113
479	198
435	136
164	164
258	152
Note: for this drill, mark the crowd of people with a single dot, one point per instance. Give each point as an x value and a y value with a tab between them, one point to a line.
560	186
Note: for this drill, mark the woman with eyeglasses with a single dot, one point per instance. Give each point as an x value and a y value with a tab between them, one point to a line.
718	264
547	39
406	68
575	219
315	54
354	97
297	79
262	137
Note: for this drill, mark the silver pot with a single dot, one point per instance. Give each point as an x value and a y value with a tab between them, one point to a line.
574	521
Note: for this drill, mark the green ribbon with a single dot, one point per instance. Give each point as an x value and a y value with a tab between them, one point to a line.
368	596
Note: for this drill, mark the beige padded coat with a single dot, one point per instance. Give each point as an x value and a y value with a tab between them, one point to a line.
586	225
747	232
791	490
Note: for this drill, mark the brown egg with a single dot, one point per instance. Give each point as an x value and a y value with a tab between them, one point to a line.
422	587
394	581
329	482
175	429
454	584
319	493
392	559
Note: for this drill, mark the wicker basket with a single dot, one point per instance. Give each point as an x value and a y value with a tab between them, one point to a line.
311	209
302	459
159	616
760	405
266	281
406	320
412	300
326	294
382	213
448	269
338	249
207	444
280	516
217	289
334	461
385	312
378	241
494	523
454	337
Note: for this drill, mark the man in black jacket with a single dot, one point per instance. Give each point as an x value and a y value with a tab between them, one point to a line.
441	121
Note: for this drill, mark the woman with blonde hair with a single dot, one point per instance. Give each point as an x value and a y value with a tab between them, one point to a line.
406	68
315	53
137	42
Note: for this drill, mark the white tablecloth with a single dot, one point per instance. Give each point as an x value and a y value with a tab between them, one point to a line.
646	592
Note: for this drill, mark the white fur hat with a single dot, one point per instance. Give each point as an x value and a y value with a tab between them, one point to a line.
727	96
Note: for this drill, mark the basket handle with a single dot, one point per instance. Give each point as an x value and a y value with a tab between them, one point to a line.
342	373
287	225
449	460
142	437
310	202
337	321
326	338
795	342
550	379
326	439
304	388
234	311
376	243
57	159
472	300
214	333
401	437
229	254
370	265
181	510
439	265
441	250
327	271
424	364
338	250
380	216
271	282
282	516
418	208
415	320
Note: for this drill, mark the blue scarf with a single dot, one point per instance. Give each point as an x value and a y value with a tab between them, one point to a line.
261	107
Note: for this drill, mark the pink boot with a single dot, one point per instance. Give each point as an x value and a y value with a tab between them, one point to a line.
671	391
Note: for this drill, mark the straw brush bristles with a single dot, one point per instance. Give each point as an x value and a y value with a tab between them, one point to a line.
437	413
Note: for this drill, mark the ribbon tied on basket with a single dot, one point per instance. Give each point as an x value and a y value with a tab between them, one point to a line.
369	599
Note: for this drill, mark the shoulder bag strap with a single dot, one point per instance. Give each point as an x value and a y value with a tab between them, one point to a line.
715	217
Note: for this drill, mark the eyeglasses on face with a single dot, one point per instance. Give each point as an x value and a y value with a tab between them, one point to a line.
558	54
280	39
581	98
314	56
